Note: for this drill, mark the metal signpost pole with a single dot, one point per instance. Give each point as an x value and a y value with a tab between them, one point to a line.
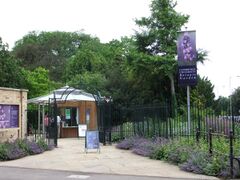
188	110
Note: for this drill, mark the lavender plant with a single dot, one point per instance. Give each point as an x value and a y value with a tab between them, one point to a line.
14	151
142	146
127	143
22	147
33	148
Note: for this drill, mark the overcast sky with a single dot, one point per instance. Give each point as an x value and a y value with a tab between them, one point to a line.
215	21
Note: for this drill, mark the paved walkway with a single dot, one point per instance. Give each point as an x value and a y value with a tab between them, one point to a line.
70	156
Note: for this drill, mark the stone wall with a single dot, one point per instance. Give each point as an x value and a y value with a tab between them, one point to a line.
10	96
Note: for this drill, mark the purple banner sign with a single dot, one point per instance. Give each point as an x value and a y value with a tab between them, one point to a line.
9	116
186	48
187	75
187	56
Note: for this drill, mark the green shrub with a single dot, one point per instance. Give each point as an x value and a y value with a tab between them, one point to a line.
175	152
159	153
14	151
3	152
178	154
22	147
42	144
22	144
116	137
203	163
189	155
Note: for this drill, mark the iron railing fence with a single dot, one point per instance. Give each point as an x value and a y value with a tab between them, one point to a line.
159	120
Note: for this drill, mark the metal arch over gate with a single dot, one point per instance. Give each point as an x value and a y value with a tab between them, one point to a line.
50	104
52	127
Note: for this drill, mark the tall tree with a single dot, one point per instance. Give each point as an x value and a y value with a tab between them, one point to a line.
38	82
10	70
203	93
221	105
158	36
49	50
159	31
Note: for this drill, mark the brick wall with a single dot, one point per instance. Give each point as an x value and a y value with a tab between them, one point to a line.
9	96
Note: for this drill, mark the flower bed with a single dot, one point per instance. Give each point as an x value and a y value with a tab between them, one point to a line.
21	148
185	153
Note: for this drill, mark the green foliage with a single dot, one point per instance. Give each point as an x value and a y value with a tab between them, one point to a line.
159	153
236	101
10	70
3	152
139	69
19	148
115	137
42	144
49	50
90	82
22	145
189	155
38	82
176	152
221	105
160	29
158	37
203	94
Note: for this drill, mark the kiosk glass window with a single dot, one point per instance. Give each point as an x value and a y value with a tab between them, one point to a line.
88	116
71	116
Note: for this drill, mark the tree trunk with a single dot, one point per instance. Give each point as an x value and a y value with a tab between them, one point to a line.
173	96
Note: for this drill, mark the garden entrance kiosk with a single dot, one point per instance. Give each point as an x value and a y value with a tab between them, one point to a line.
73	107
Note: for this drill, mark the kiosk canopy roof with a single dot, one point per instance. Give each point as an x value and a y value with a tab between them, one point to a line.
65	93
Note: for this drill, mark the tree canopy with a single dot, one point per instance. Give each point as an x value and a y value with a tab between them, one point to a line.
10	70
137	69
49	50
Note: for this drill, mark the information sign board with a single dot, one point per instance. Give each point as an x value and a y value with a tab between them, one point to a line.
92	140
82	128
9	116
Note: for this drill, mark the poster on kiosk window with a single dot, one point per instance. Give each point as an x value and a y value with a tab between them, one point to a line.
187	56
82	128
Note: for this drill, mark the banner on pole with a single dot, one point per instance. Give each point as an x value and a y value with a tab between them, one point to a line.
187	75
187	56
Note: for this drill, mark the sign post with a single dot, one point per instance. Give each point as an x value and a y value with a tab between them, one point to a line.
188	110
187	68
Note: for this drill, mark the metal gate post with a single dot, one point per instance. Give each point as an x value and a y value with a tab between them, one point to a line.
55	119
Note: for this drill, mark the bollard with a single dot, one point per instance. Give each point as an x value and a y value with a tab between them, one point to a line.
197	135
210	140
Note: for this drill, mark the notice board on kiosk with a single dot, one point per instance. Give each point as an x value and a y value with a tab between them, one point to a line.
92	140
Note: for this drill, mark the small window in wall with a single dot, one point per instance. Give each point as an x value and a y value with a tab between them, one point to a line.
88	116
70	116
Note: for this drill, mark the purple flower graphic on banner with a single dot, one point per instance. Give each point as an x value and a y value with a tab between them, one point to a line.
187	48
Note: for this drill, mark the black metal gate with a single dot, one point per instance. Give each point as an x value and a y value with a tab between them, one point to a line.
51	128
104	114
